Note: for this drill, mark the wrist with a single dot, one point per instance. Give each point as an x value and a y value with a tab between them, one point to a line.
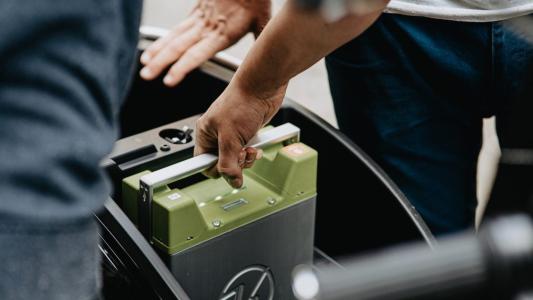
267	100
258	86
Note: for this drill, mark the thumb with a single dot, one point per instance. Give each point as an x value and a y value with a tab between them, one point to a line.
229	147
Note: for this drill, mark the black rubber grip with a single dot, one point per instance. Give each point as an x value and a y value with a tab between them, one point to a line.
498	262
409	273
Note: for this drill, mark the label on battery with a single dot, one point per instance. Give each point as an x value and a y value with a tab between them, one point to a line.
296	150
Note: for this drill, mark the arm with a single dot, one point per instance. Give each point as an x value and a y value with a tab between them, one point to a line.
293	41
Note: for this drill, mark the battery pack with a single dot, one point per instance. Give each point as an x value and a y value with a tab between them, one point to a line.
225	243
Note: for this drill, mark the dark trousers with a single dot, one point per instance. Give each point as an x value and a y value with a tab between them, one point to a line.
413	91
64	68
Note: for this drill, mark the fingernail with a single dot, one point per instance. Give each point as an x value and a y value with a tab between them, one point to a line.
236	183
233	181
242	157
145	57
146	73
259	154
168	80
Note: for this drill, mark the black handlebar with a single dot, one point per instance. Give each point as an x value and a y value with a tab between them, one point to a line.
497	261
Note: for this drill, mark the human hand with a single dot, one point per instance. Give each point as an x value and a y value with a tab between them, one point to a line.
211	27
227	126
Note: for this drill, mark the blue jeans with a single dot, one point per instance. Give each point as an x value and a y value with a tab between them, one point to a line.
413	92
64	68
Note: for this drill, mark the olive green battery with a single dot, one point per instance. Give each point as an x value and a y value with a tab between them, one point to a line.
225	243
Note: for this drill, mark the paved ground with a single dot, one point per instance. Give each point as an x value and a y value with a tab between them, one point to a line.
311	87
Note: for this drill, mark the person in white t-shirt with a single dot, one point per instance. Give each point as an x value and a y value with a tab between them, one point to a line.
410	85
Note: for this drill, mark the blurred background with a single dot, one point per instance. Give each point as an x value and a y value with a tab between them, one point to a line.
311	87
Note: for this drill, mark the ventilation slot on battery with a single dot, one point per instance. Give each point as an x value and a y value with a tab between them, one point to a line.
182	183
135	154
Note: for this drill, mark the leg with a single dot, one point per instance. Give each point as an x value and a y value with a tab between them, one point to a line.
410	92
61	70
513	56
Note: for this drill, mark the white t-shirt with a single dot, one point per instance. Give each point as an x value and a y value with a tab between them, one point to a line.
463	10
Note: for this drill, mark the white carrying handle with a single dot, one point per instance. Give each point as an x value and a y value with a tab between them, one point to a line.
203	162
186	168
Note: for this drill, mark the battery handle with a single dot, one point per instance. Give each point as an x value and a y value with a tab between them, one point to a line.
149	182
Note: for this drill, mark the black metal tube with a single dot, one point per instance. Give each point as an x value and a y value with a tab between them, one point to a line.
499	260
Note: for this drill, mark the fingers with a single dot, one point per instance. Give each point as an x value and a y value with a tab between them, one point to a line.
233	158
242	158
252	154
206	142
229	148
212	172
194	57
246	159
171	52
207	9
156	46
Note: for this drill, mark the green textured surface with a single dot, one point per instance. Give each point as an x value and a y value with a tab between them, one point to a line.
184	218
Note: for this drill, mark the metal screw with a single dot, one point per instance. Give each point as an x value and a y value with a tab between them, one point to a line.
217	223
271	201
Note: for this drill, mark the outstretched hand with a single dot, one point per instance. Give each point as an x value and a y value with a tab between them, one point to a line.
211	27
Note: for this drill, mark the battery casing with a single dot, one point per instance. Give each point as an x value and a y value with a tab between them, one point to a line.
225	243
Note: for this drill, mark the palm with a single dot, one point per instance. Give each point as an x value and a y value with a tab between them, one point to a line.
212	26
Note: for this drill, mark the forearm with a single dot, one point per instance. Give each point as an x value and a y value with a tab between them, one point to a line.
290	43
293	41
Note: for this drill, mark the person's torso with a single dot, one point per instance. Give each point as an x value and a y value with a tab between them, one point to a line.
463	10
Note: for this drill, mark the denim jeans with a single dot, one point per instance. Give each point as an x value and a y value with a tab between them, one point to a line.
64	69
413	91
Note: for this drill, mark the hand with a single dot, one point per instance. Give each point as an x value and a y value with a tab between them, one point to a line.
211	27
231	121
